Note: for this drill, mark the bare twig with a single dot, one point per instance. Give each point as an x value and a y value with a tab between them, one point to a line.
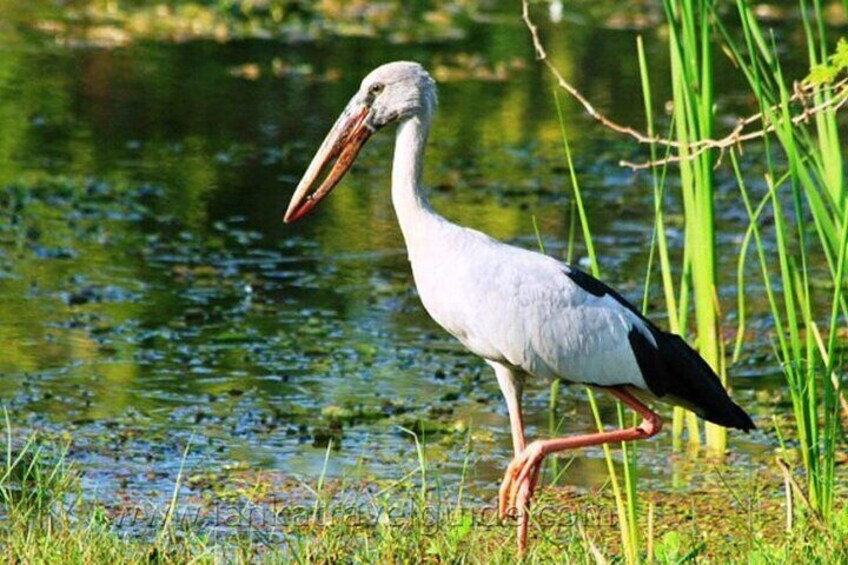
736	137
542	56
802	92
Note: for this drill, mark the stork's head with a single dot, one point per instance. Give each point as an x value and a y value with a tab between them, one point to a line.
391	93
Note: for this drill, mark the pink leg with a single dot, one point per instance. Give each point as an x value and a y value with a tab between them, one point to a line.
511	386
523	473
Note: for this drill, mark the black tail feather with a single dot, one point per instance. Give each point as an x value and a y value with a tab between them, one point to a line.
674	369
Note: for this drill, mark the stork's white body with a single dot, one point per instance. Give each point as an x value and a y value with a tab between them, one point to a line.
512	307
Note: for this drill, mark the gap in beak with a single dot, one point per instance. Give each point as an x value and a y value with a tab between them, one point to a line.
347	138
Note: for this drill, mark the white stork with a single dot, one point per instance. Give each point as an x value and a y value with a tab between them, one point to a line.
524	313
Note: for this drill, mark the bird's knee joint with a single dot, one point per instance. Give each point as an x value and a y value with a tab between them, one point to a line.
651	425
534	450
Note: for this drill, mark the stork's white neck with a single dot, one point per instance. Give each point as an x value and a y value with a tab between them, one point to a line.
411	206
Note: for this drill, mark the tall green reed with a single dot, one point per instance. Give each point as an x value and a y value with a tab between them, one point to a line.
625	490
691	55
659	245
806	195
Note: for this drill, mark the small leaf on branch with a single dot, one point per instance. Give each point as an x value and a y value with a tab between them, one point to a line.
821	75
839	59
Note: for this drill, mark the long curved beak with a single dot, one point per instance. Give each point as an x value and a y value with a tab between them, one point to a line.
340	148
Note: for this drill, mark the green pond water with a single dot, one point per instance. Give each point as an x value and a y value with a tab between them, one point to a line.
151	295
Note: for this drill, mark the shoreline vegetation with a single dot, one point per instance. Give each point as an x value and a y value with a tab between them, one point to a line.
115	23
722	517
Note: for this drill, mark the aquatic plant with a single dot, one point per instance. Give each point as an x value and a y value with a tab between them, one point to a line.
806	195
403	520
691	55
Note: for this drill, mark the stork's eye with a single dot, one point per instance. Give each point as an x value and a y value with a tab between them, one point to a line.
376	88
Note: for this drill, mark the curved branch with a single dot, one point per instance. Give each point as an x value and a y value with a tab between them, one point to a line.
801	94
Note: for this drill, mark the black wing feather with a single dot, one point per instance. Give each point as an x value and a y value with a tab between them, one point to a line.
672	368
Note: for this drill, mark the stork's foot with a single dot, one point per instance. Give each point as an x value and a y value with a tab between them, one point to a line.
518	486
523	473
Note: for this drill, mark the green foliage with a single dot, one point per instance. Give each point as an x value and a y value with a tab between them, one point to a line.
411	526
121	22
826	73
691	27
806	196
669	549
840	57
822	74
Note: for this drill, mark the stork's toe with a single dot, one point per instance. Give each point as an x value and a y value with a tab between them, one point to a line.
525	472
516	491
504	500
